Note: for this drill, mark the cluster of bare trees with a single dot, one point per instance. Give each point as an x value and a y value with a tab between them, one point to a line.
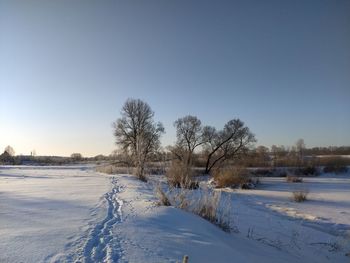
138	136
217	146
294	155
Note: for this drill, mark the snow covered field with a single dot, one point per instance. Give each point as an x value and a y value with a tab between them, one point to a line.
45	210
317	230
74	214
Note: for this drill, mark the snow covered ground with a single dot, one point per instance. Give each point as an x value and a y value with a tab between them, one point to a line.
317	230
74	214
44	210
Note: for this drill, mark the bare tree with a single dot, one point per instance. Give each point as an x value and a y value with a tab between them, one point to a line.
274	151
300	147
189	133
279	153
262	155
137	133
226	144
10	150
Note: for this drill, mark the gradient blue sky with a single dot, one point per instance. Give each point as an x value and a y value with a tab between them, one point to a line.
66	67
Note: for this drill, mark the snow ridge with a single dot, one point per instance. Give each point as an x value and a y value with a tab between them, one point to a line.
102	245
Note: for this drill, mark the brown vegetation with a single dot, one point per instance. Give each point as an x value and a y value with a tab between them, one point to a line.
211	208
300	195
181	175
162	197
231	177
112	169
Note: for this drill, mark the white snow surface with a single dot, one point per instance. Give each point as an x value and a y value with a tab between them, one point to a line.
74	214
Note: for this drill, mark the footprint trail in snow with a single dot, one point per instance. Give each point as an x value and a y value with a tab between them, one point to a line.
102	245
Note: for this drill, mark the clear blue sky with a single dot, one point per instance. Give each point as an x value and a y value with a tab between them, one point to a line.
66	67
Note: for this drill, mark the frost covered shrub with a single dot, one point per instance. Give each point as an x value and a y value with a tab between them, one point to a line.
176	174
162	197
300	195
294	179
214	209
206	203
181	176
181	200
231	177
338	169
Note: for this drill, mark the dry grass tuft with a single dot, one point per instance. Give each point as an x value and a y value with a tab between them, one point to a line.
207	204
300	195
211	207
162	197
180	175
112	169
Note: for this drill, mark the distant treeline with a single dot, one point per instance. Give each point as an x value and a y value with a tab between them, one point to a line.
48	160
331	150
256	157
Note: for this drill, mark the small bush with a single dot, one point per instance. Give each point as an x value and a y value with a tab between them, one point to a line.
338	169
181	176
233	177
300	195
175	174
208	205
211	207
162	197
294	179
180	199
